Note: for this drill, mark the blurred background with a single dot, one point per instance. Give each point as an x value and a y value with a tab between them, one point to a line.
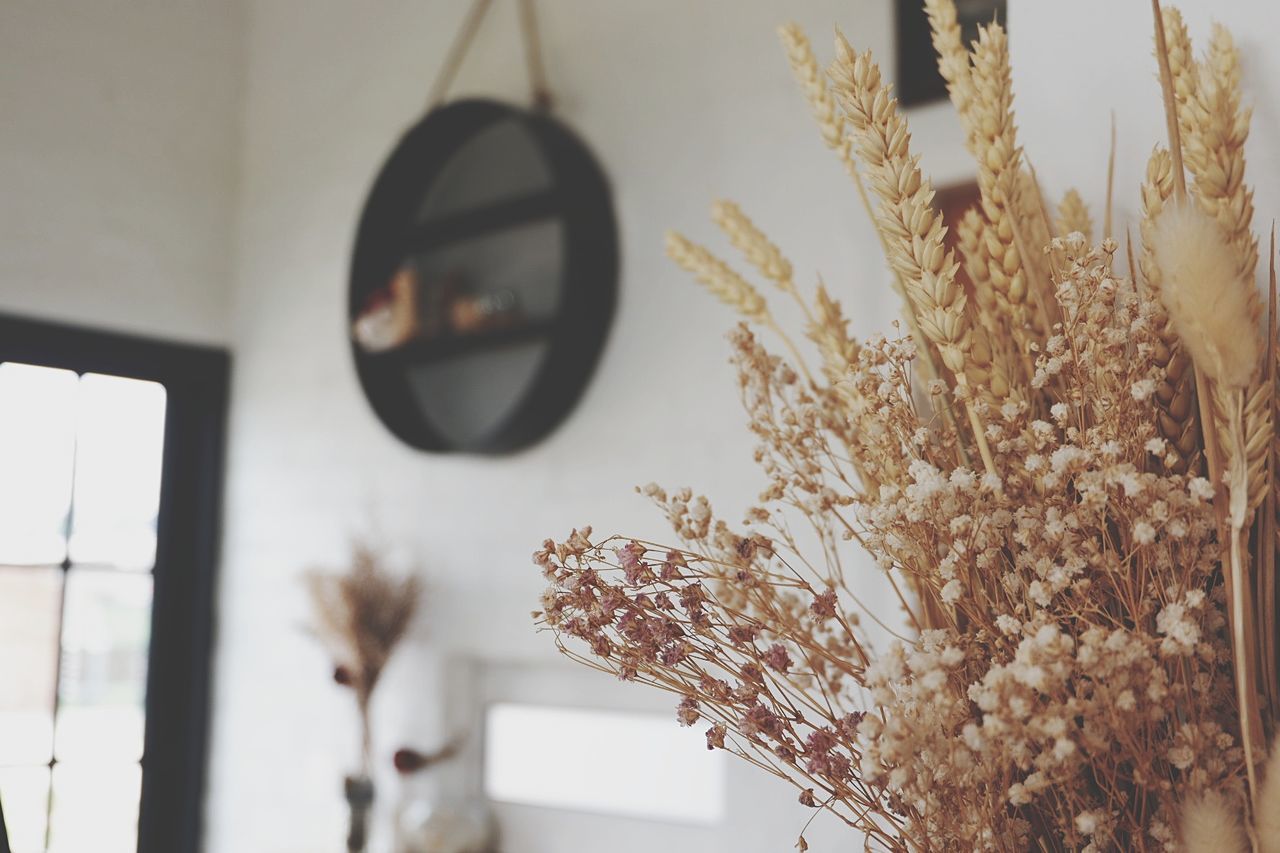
192	421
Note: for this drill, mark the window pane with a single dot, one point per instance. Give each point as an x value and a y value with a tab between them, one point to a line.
24	791
105	635
119	449
638	765
95	808
37	449
28	661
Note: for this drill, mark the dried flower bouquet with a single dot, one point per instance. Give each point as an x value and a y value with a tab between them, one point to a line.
1065	472
362	615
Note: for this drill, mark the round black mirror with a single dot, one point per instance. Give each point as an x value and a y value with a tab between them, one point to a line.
483	280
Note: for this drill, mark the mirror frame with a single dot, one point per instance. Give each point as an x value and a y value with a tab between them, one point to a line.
579	199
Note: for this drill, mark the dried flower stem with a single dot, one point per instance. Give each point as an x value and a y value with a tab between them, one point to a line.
1111	180
362	615
1267	533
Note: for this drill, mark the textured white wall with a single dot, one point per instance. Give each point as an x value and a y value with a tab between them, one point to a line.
117	162
683	103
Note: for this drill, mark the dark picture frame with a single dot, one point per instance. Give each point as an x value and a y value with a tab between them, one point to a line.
918	80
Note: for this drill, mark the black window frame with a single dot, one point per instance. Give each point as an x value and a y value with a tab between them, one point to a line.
179	667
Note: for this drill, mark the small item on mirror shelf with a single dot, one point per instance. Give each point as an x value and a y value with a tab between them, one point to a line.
390	315
408	309
484	312
452	308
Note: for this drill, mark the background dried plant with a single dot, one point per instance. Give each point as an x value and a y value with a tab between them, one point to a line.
361	615
1063	471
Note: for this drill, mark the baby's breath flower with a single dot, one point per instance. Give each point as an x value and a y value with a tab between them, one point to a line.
1143	389
1144	533
952	591
1200	489
1087	822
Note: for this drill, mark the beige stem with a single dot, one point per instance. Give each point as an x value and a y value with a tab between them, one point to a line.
1111	180
976	424
1238	485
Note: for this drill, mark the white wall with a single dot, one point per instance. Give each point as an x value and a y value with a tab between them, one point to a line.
683	103
117	162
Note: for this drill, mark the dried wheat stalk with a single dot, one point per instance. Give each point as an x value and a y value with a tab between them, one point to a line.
1073	215
911	228
753	244
718	277
1214	149
953	63
1176	396
813	83
1002	182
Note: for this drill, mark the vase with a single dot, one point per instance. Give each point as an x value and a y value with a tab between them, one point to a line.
445	824
359	795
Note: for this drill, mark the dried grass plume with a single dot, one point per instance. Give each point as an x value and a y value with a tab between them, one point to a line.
1268	818
1211	825
1213	310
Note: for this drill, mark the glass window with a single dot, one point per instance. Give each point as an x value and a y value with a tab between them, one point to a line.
106	626
25	792
37	455
29	600
119	452
95	807
80	472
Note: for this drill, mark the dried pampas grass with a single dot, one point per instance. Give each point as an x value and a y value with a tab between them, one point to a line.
1268	811
1213	310
1211	825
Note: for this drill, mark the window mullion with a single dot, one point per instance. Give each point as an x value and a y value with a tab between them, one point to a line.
69	525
